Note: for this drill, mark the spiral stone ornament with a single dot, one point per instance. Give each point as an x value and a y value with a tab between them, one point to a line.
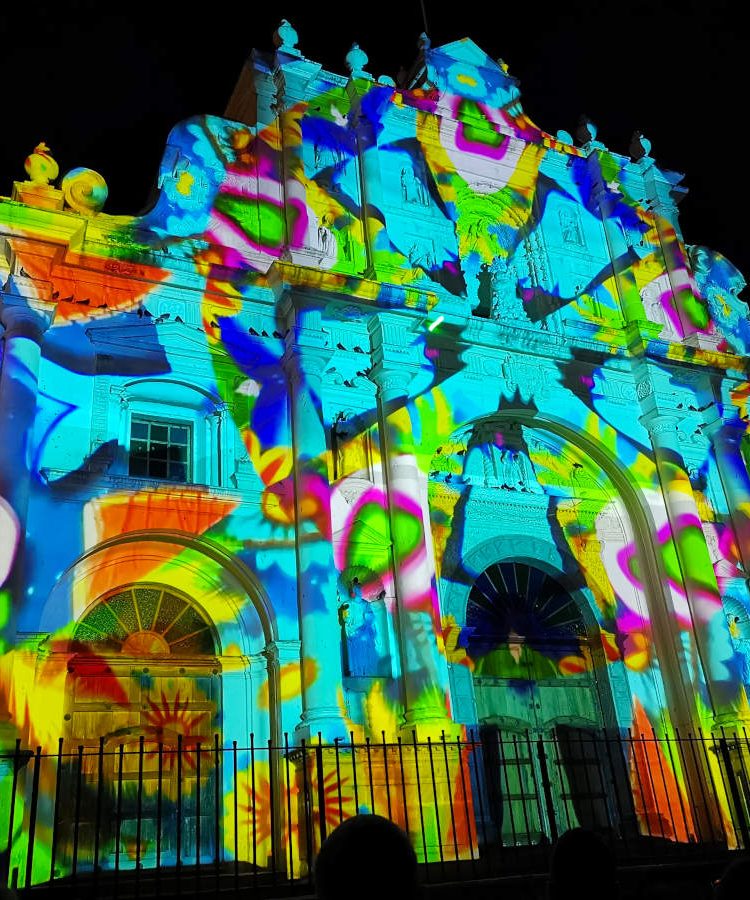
85	191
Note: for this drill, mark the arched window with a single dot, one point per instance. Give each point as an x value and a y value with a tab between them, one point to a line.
512	601
146	620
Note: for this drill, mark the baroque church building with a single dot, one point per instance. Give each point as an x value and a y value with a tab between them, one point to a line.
394	416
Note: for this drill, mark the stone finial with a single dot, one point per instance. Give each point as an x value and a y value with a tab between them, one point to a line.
640	146
85	191
285	38
356	60
586	134
40	166
586	131
565	136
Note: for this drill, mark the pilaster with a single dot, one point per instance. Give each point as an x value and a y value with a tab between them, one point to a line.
24	322
424	667
321	673
606	201
726	438
696	601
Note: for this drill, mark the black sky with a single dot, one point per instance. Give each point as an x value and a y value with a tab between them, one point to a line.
103	86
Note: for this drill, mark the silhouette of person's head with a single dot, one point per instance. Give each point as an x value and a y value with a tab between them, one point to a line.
582	866
366	857
734	880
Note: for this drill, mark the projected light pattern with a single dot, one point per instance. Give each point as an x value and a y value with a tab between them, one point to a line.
414	339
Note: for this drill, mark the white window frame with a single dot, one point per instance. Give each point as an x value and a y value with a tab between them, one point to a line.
176	423
176	403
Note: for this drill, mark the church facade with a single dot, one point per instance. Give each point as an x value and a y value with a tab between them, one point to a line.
394	416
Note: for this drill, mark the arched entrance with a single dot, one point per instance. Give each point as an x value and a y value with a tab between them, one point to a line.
144	689
538	702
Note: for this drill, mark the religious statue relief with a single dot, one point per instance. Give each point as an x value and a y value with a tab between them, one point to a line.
363	633
506	303
350	449
518	472
413	189
570	227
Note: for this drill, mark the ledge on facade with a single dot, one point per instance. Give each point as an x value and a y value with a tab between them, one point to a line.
136	485
285	276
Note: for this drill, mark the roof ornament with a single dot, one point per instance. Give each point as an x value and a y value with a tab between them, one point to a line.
640	147
356	60
285	39
586	134
40	166
423	42
85	191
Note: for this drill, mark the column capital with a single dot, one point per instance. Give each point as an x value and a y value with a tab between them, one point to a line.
659	423
28	319
305	363
733	430
392	382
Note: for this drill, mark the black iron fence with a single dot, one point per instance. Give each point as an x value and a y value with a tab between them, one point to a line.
152	814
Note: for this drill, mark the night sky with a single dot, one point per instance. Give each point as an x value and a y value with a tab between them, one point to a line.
104	88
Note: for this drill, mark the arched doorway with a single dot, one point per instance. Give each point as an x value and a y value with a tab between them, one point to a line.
539	704
144	701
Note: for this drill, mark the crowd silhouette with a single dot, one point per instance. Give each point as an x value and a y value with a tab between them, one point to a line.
368	857
371	858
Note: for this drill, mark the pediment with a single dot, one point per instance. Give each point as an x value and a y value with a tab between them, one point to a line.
465	50
366	536
462	68
144	337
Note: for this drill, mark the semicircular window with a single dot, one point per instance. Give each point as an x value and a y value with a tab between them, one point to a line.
512	601
147	620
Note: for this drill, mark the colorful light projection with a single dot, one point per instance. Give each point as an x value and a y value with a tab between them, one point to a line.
418	313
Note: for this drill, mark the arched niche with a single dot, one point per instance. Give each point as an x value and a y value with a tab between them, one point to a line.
603	476
563	569
227	594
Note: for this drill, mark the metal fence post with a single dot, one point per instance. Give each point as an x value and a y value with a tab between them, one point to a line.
547	788
734	790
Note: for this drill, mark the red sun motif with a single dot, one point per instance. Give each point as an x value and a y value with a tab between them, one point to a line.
167	723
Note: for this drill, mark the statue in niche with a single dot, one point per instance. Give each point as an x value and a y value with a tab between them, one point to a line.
506	302
324	156
570	228
326	242
421	256
346	243
738	621
517	472
651	297
362	632
412	187
349	450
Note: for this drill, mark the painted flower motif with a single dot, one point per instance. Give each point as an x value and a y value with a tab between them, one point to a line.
167	722
261	828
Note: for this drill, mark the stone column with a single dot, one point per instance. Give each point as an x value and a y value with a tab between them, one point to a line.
690	308
320	654
726	438
424	667
703	616
606	200
24	325
369	168
293	76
